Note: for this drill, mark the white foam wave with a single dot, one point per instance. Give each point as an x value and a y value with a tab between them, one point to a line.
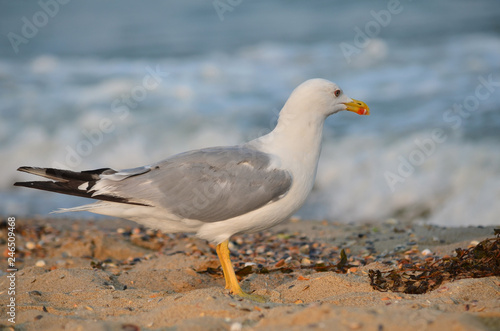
458	184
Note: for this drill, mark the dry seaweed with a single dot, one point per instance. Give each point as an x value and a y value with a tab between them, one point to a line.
341	267
483	260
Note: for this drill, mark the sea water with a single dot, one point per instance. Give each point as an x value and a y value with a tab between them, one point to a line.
121	84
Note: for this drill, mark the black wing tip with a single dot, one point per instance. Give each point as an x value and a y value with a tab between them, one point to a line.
67	175
65	188
32	184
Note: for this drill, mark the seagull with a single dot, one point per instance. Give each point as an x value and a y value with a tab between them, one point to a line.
217	192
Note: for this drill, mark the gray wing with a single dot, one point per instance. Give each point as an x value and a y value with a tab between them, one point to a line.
208	185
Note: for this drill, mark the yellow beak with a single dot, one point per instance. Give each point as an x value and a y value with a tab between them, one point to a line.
358	107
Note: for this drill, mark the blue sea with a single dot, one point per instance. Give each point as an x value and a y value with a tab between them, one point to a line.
92	84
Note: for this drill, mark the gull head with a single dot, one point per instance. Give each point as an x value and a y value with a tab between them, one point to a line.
324	98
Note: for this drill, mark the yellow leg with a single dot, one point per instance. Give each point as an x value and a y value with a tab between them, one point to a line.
223	260
227	268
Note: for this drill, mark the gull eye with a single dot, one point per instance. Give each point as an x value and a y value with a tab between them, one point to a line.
337	93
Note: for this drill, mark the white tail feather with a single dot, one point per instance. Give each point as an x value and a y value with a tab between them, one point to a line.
88	207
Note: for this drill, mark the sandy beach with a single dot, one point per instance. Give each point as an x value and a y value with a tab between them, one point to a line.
113	275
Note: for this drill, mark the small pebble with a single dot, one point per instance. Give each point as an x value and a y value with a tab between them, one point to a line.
130	327
305	262
355	326
280	263
260	249
236	326
426	252
391	221
40	263
30	245
304	249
